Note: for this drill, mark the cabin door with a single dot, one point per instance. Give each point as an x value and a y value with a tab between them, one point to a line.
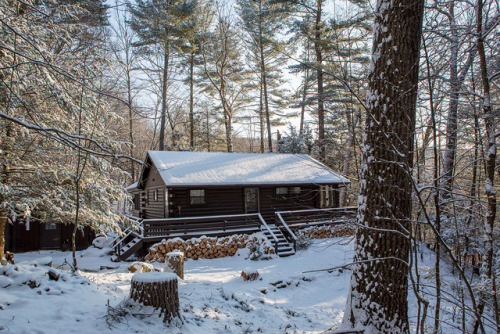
251	200
51	236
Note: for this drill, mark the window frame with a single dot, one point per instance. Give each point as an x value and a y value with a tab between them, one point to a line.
50	226
191	197
277	192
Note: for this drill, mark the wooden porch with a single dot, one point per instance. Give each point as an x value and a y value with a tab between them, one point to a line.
281	234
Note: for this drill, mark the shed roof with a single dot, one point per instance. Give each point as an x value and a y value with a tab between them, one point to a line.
223	169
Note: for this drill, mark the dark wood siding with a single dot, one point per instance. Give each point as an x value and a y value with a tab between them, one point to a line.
227	201
18	239
271	202
153	179
218	201
154	204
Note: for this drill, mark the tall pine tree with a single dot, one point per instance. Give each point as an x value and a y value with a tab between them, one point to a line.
164	23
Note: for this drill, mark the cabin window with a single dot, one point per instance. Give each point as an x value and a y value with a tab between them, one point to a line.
137	202
326	195
281	191
197	196
294	190
50	226
155	195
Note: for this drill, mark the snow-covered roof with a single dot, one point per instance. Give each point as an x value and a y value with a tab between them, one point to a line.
132	186
215	168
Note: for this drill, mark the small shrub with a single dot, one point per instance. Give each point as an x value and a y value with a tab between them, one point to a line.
303	242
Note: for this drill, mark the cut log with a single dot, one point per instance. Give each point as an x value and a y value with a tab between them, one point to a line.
250	275
159	290
174	263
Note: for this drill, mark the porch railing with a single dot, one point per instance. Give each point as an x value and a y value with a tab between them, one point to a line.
288	221
192	227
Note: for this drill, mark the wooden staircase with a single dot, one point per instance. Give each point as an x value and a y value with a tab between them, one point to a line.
128	243
126	248
283	247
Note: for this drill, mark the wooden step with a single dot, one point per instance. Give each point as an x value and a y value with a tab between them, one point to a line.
128	249
284	248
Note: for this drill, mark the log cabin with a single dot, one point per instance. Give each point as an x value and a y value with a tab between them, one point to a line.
188	194
190	184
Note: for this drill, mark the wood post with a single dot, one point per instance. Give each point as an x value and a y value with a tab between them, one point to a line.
157	289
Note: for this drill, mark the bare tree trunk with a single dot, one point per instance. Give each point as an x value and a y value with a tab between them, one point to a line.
456	81
436	196
263	74
490	162
191	101
5	180
319	64
261	121
377	300
75	227
451	126
228	119
348	153
164	107
303	106
130	115
208	131
304	90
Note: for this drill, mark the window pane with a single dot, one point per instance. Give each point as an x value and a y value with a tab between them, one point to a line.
197	192
281	191
294	190
197	196
197	200
50	226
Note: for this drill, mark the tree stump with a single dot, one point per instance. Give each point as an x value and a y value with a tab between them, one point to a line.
159	290
174	263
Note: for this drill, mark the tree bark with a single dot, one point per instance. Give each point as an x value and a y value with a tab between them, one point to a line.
191	101
261	122
263	74
130	115
163	115
377	300
3	225
451	125
5	180
349	152
159	290
319	63
490	164
456	80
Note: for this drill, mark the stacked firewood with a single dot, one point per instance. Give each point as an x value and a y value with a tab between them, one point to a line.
327	231
205	247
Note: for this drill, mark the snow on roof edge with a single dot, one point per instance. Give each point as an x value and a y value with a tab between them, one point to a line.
132	186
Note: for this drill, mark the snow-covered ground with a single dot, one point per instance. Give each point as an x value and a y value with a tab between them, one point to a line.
213	297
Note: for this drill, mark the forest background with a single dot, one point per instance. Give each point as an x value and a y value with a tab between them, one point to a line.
87	87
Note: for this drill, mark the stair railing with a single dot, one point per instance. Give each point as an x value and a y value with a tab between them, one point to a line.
289	233
137	223
263	222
